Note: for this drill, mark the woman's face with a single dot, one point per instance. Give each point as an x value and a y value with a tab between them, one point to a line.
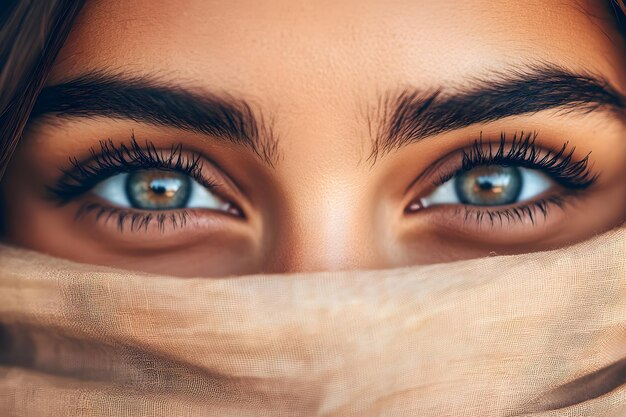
211	138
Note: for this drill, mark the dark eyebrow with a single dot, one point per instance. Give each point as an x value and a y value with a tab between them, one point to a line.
415	115
149	101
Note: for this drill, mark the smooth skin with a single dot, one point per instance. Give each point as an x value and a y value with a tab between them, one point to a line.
317	75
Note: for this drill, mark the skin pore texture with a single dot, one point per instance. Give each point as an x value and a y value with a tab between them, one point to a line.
328	84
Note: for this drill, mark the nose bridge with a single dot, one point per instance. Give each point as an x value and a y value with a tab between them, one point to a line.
326	223
327	230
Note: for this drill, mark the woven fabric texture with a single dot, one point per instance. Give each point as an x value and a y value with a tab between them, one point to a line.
540	334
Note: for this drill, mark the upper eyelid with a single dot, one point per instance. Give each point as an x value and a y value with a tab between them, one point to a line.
504	143
86	173
560	165
115	159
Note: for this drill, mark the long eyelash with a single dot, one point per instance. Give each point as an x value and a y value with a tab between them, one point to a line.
135	220
522	152
532	210
112	159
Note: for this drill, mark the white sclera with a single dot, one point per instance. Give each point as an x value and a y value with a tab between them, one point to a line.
113	190
534	183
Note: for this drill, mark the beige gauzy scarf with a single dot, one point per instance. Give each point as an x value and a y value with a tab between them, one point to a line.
540	334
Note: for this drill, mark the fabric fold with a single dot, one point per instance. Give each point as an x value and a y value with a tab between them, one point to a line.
540	334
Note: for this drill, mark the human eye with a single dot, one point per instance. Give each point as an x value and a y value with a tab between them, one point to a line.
490	185
157	189
509	181
140	184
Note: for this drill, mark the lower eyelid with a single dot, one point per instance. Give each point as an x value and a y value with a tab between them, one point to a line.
470	219
530	213
128	219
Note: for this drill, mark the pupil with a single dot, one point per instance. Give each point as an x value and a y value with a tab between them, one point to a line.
158	189
485	185
165	186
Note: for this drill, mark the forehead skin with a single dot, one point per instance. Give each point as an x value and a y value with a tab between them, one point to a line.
316	47
313	63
